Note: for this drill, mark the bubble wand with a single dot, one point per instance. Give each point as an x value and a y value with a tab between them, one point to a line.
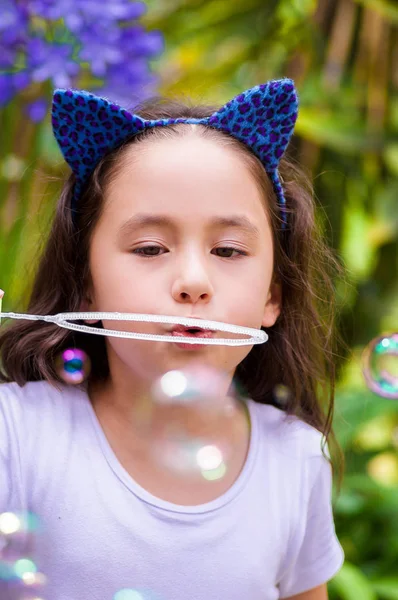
255	336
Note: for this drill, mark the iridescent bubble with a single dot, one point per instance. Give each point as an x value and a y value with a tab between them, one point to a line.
172	386
135	594
6	570
17	531
196	421
18	570
22	571
25	570
24	566
31	595
209	457
33	579
10	523
128	595
73	366
380	366
210	460
281	394
214	474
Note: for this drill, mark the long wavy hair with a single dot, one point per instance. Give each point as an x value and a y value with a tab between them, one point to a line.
299	353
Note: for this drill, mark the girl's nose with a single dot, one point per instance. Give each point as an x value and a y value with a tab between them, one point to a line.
192	283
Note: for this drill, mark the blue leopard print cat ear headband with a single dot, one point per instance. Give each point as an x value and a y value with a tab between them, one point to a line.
87	127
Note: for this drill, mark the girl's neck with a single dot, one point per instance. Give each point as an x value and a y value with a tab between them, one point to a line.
134	426
138	420
134	448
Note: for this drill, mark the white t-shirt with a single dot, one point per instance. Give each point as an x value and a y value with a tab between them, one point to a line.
270	536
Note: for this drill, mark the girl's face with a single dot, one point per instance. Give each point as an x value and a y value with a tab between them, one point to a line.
184	232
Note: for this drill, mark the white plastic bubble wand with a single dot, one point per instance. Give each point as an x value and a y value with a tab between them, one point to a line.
256	336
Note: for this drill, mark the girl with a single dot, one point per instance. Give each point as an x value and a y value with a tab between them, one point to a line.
189	212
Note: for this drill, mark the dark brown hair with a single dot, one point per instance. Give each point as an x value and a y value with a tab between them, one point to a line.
299	353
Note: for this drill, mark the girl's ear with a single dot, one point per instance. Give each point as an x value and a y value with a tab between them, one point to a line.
272	308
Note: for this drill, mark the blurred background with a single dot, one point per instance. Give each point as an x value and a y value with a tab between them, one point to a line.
343	56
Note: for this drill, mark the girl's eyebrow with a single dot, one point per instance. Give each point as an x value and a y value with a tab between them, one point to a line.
143	220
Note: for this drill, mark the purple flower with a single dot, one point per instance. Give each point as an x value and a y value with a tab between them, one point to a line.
7	57
11	84
13	32
78	14
136	41
129	83
21	80
100	48
13	23
6	89
37	110
99	37
51	61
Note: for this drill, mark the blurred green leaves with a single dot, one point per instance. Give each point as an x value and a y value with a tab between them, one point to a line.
388	8
351	584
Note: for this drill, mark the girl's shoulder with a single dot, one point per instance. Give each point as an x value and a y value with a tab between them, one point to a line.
289	433
38	422
36	400
34	390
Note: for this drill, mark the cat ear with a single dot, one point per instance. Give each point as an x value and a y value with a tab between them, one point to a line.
87	127
263	118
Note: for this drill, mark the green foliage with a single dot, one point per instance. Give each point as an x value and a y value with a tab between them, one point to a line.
387	8
351	584
365	510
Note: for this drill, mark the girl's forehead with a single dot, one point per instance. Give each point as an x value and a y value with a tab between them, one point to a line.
173	158
183	172
184	185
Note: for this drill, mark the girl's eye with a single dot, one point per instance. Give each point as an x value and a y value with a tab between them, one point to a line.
152	251
147	251
226	250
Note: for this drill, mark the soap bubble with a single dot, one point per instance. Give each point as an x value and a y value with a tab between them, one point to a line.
281	394
196	421
380	366
17	531
73	366
18	570
10	523
135	594
31	595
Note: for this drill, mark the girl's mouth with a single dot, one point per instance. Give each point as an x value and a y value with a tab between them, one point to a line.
181	332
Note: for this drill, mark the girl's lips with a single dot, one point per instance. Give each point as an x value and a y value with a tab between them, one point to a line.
181	332
198	334
184	331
